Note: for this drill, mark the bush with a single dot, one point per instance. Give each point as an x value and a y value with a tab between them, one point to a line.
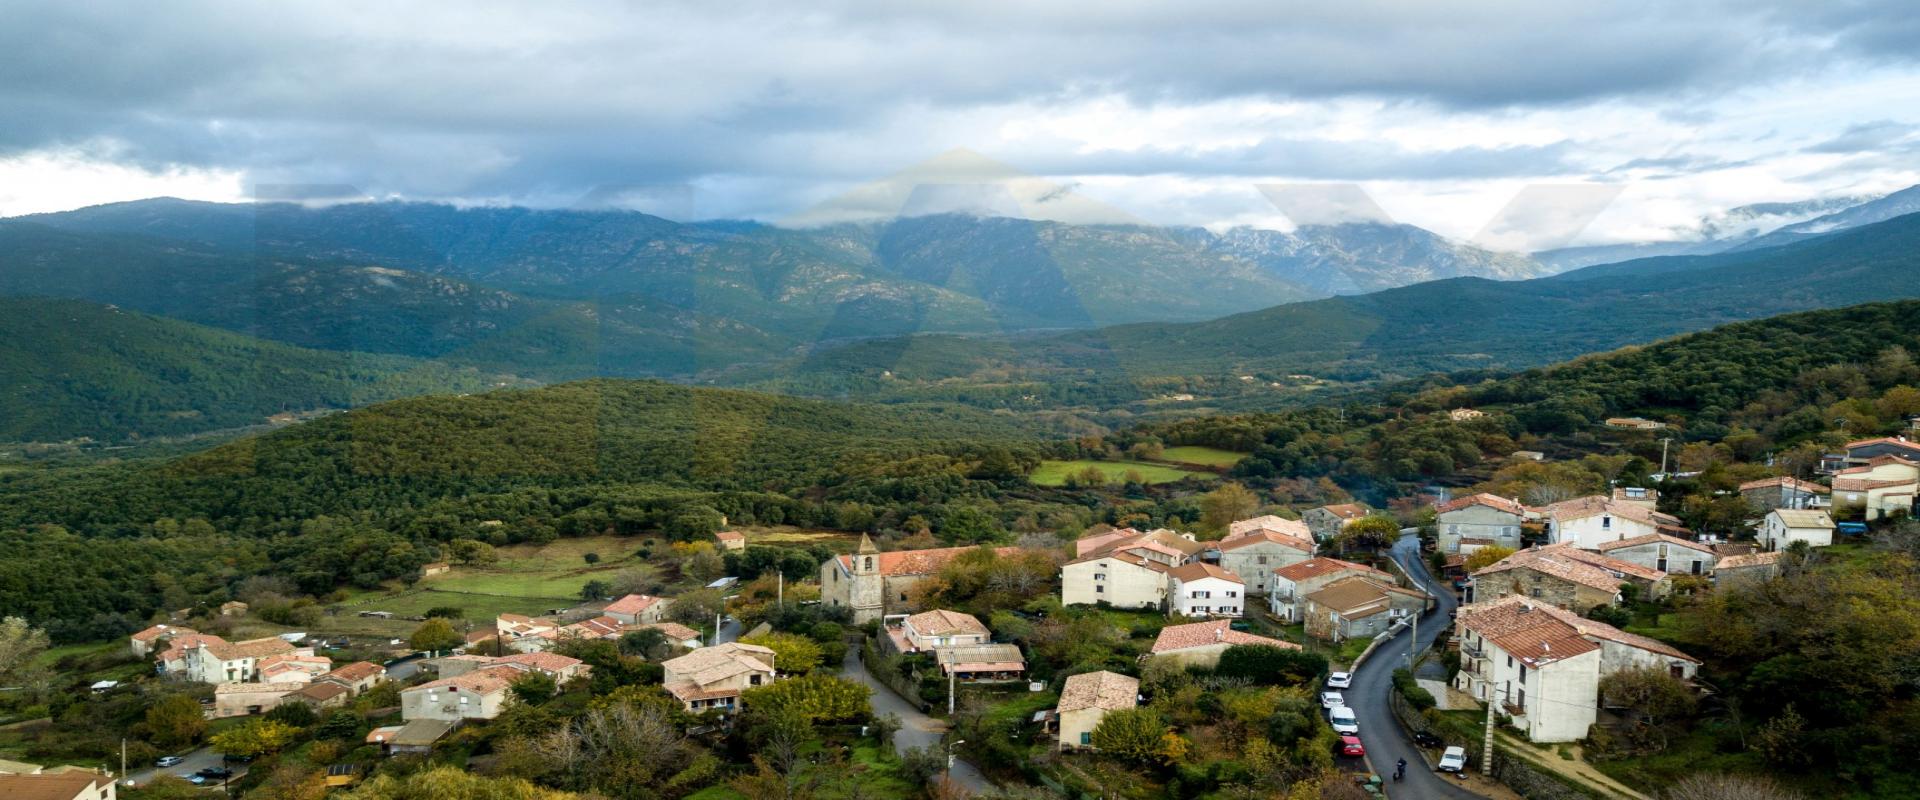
1404	683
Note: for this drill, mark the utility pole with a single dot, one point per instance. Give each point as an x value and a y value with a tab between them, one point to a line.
123	758
780	590
1663	456
953	684
716	628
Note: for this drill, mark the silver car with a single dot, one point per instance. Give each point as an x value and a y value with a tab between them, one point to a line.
1340	680
1331	700
1453	760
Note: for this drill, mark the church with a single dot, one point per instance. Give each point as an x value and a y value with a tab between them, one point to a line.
875	584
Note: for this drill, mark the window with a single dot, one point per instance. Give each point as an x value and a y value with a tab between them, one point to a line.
1260	559
753	680
869	562
1536	591
1606	523
1509	662
1660	563
1232	593
1099	590
1099	576
1086	737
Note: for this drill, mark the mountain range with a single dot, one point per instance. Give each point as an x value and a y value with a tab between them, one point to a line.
1748	227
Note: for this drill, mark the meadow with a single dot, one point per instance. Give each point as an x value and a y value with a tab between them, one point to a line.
1054	473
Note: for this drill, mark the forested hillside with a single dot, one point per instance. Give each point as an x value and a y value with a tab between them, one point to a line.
71	369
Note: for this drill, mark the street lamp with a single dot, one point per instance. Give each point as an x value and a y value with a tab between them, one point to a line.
950	746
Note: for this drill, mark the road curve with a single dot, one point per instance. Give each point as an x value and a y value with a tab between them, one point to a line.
1386	742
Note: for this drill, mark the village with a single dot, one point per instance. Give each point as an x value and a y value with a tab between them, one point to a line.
1479	615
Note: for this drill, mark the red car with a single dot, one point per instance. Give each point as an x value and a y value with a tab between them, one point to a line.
1350	746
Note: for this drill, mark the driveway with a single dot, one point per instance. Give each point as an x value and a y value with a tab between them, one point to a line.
1379	731
196	760
916	729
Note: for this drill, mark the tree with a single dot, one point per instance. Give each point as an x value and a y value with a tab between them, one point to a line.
696	608
1486	556
446	612
472	552
435	635
176	721
1269	665
1655	698
645	642
1226	505
1370	532
20	648
592	558
883	727
705	565
256	738
292	783
535	688
1134	734
817	696
792	653
625	750
298	715
595	590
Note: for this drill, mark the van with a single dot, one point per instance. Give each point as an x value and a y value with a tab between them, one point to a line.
1343	720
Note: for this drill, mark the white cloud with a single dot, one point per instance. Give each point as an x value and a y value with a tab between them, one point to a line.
57	180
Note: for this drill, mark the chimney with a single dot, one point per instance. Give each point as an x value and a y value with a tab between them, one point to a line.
1546	647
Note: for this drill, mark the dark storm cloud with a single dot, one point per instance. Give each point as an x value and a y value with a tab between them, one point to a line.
550	100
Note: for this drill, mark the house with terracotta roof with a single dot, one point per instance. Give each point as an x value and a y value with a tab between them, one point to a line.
216	660
480	694
733	541
1565	576
637	609
1784	526
151	639
1093	542
358	676
172	659
1784	492
1732	569
1358	607
77	785
1200	589
1290	585
1269	522
1256	552
714	677
1588	522
249	698
523	633
601	627
293	668
1543	664
415	737
321	695
1485	516
931	630
1635	423
1663	553
873	584
1326	522
1465	414
1199	644
1881	487
553	665
676	633
1086	699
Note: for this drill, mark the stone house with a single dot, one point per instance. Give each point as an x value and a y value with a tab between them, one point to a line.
1358	607
1269	522
730	541
1290	585
480	694
151	639
1199	644
1669	554
874	584
1255	553
1746	567
216	660
1767	494
1481	516
1565	576
637	609
931	630
246	699
715	677
1326	522
1087	698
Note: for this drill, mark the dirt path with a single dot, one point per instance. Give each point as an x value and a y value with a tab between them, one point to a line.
1577	768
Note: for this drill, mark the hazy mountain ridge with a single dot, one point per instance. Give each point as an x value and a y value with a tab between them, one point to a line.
1739	227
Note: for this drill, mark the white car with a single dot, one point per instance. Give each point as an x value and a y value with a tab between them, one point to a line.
1343	720
1340	680
1453	760
1330	700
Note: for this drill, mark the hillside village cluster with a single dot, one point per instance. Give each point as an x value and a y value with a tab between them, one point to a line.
1525	634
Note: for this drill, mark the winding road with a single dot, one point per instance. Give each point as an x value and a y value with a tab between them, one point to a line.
1386	742
916	729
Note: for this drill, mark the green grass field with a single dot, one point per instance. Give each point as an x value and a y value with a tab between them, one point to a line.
1205	456
1054	473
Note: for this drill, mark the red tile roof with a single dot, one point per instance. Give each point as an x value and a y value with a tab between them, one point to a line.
1785	481
1201	634
1266	536
1316	567
1653	538
1201	569
918	562
545	662
1492	501
1513	613
941	622
158	631
1104	690
358	671
631	604
1348	510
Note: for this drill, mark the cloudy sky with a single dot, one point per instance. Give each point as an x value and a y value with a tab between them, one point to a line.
1167	113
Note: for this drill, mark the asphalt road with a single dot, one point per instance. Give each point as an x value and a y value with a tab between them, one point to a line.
916	729
196	760
1386	743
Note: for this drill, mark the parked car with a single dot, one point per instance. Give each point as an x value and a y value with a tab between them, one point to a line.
193	779
215	773
1330	700
1343	720
1453	760
167	761
233	759
1340	680
1350	746
1425	739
